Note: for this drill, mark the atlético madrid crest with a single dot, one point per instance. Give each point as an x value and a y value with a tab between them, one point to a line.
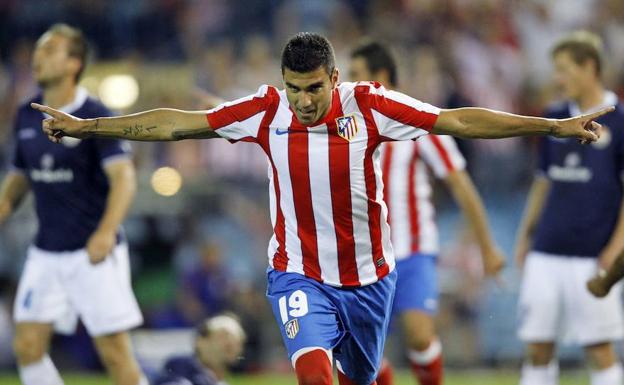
347	127
292	328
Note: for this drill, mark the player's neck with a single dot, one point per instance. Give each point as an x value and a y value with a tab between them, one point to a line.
590	98
60	94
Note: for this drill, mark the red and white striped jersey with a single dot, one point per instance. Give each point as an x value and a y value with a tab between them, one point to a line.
326	189
406	170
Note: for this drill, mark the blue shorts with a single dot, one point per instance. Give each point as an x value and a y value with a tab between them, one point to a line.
417	284
351	322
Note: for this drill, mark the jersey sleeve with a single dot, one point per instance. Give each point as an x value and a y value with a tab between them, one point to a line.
398	116
441	154
110	150
241	119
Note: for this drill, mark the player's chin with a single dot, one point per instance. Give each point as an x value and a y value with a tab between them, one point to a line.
307	117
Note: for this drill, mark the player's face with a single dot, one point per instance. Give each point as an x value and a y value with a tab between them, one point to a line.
221	347
358	70
310	93
570	77
51	61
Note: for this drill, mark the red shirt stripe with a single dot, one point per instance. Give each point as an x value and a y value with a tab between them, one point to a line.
413	201
280	259
443	153
239	112
299	166
340	182
374	208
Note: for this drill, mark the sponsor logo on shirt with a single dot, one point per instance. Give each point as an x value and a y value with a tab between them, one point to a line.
47	173
26	133
571	171
70	142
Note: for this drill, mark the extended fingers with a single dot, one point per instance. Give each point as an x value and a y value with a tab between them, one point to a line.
46	110
597	114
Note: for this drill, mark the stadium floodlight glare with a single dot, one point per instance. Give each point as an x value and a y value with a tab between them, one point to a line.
119	91
166	181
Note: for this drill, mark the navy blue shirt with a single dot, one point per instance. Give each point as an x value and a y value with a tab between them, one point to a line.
68	181
185	370
583	205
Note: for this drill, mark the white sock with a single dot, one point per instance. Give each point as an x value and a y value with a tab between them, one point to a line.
609	376
426	356
42	372
540	375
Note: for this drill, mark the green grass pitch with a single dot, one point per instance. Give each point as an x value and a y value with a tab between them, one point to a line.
485	377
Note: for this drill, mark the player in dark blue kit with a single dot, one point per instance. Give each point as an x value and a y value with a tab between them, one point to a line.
78	264
218	344
574	228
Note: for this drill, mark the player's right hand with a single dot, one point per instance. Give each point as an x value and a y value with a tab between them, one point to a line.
598	287
60	124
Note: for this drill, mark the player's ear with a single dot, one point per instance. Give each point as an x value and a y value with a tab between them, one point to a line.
334	77
75	64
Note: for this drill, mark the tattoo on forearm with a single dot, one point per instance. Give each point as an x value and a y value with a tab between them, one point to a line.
137	130
197	133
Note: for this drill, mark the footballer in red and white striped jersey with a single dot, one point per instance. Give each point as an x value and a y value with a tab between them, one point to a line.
407	167
326	188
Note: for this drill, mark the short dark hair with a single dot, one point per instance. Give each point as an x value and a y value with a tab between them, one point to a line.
306	51
377	57
77	46
582	46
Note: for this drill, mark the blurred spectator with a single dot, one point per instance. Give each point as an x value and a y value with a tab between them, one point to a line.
203	289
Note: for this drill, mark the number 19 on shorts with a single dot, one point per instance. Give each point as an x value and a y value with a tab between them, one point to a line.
297	305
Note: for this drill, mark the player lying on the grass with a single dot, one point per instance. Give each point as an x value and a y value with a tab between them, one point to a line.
327	208
218	344
408	193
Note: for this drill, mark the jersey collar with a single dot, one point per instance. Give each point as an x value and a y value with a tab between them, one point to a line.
609	99
79	100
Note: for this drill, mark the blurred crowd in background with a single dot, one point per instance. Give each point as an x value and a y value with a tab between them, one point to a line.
202	250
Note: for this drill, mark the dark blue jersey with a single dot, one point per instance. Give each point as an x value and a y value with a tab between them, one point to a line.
68	180
185	370
583	205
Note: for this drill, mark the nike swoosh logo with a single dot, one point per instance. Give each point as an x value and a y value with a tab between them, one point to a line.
281	132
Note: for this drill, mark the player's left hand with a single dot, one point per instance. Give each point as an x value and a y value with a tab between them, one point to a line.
582	127
598	287
100	245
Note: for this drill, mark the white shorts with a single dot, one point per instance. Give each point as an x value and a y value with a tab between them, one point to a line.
555	304
59	287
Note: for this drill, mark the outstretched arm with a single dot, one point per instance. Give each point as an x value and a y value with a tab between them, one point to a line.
489	124
155	125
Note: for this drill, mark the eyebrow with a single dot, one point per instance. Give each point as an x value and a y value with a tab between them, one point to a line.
313	85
